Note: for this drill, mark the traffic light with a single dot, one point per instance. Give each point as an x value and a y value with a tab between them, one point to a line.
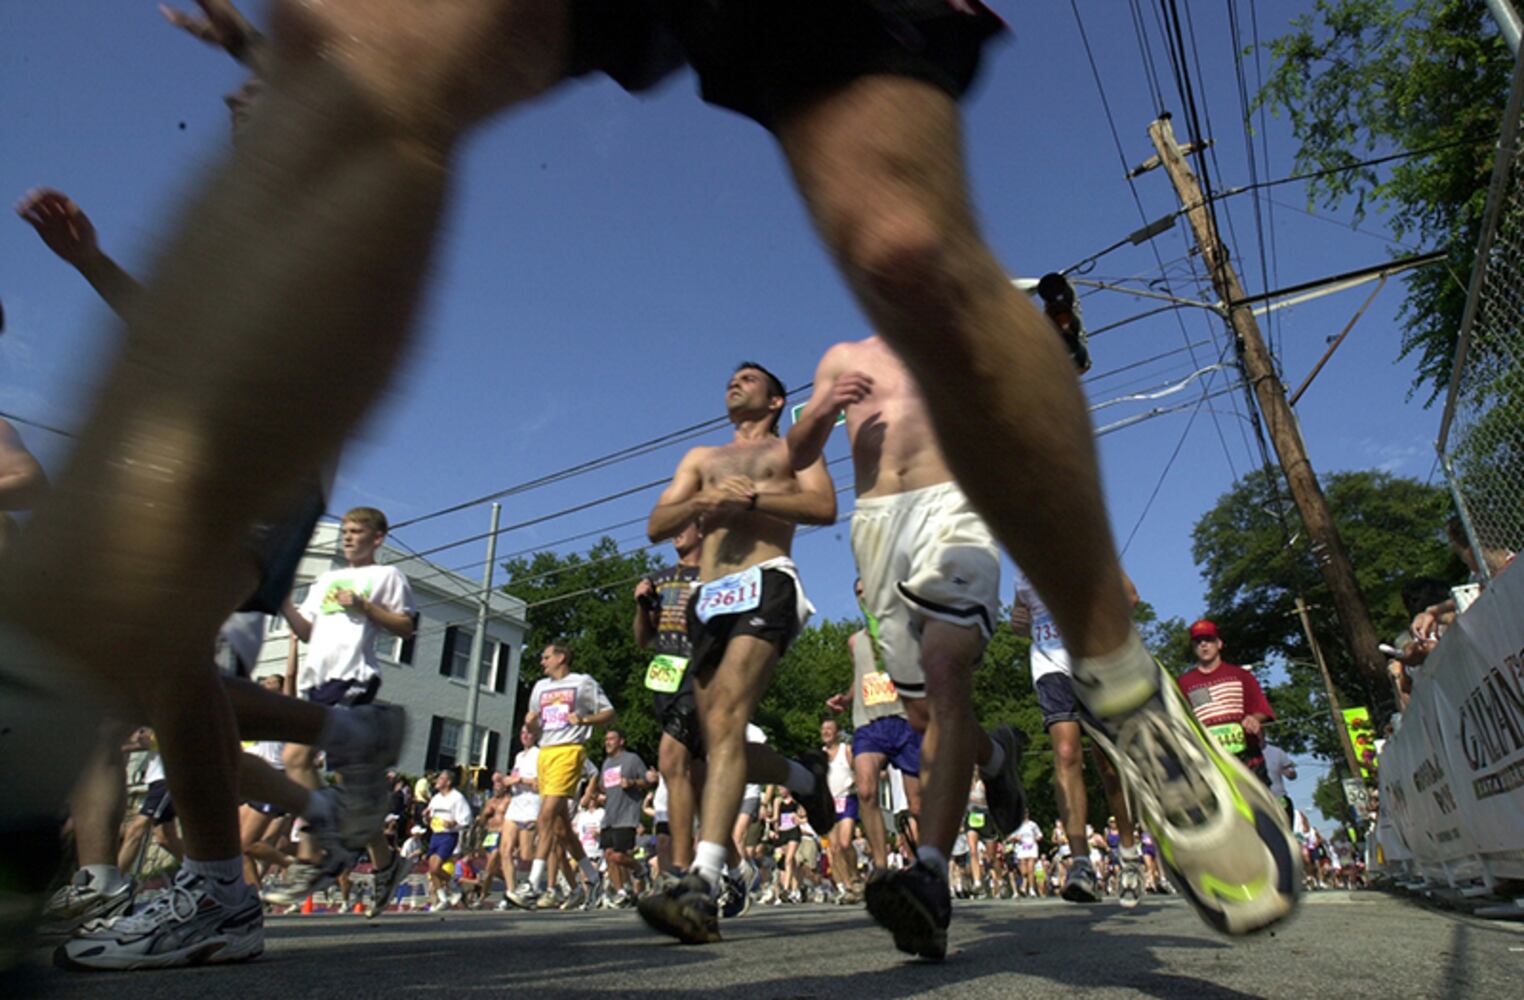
1063	308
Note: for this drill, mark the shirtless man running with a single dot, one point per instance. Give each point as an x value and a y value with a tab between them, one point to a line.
930	570
491	818
747	608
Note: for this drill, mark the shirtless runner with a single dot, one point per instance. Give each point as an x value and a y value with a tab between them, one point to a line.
930	571
746	610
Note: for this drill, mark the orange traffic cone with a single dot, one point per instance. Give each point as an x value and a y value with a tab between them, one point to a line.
359	907
307	905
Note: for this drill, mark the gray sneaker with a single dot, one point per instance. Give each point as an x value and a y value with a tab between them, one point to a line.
386	881
1080	887
184	926
304	879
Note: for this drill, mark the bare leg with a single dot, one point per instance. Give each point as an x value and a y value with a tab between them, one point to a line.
1069	783
726	700
260	782
1116	796
879	163
99	799
951	735
676	766
866	768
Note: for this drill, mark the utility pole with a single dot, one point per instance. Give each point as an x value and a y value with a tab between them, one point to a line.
1350	760
469	750
1327	547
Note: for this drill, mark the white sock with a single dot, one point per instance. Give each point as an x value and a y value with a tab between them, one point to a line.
933	859
224	879
800	780
588	869
709	862
537	875
997	760
105	878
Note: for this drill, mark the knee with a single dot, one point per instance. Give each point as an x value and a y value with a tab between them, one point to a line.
898	249
1067	755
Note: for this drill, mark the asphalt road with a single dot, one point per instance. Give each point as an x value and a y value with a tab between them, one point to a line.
1345	945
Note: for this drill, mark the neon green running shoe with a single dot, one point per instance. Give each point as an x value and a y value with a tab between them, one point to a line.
1222	838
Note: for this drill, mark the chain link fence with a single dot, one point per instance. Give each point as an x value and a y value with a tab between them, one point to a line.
1481	439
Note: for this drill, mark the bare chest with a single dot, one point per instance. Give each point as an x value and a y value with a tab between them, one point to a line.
760	461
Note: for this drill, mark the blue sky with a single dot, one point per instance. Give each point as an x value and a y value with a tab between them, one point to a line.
607	260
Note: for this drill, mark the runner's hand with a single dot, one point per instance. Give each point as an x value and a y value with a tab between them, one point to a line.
838	702
223	26
63	225
851	387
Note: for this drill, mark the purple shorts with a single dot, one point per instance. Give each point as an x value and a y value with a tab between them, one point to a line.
893	737
846	807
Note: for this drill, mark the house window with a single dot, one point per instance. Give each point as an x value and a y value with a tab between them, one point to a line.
444	744
456	660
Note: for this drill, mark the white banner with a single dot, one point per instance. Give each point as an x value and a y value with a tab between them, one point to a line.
1452	779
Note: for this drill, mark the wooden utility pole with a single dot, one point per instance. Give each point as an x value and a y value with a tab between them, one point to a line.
1328	549
1334	707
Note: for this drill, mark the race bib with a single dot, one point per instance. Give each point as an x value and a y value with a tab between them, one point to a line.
665	674
437	824
553	716
788	821
612	777
1229	735
878	689
1045	634
489	841
730	595
841	804
976	820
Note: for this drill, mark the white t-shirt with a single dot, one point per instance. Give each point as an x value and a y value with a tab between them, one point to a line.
525	806
449	805
155	769
343	643
574	694
1048	652
587	824
659	800
272	752
413	848
754	734
1027	836
1276	766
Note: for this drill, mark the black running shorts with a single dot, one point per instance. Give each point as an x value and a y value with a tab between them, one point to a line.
763	57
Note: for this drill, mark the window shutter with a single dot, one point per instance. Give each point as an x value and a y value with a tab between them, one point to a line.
447	657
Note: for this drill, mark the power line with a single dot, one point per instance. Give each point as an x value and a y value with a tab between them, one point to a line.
37	424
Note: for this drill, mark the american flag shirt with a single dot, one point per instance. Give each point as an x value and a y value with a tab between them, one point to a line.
1221	698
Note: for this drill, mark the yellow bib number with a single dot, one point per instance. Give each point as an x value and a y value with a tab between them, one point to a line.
665	674
878	689
1229	735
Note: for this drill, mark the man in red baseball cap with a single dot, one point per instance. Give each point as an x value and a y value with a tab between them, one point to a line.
1227	700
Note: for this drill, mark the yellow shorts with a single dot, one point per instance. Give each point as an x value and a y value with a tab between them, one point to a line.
561	769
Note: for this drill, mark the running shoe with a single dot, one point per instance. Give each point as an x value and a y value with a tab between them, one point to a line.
525	897
304	878
734	899
686	911
818	804
1079	886
1007	800
551	899
1130	884
1222	837
386	881
185	926
915	906
596	892
577	899
82	901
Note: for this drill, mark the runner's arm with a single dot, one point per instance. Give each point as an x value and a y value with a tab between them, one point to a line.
807	438
647	614
224	26
301	628
67	231
813	503
683	500
398	623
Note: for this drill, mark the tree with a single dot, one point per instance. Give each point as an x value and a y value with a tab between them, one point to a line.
1394	530
1361	77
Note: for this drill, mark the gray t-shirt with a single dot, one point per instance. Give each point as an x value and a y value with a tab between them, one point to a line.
623	806
1276	766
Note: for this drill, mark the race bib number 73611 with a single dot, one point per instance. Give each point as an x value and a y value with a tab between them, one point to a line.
729	595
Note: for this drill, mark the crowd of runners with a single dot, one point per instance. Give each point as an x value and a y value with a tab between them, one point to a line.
968	434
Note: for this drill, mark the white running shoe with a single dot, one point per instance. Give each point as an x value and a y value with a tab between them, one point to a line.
184	926
82	902
1222	837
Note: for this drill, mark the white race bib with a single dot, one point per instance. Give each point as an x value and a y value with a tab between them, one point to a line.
553	716
730	595
1045	634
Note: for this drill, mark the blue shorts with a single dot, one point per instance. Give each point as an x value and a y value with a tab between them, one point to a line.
1055	697
893	737
346	693
848	808
442	845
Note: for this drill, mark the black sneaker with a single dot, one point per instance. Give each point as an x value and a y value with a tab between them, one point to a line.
686	911
915	906
819	806
1007	800
1080	887
734	899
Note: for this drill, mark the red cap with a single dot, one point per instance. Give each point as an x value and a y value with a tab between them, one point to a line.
1204	629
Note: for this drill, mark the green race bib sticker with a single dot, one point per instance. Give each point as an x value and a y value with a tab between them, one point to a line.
976	820
665	674
1229	735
